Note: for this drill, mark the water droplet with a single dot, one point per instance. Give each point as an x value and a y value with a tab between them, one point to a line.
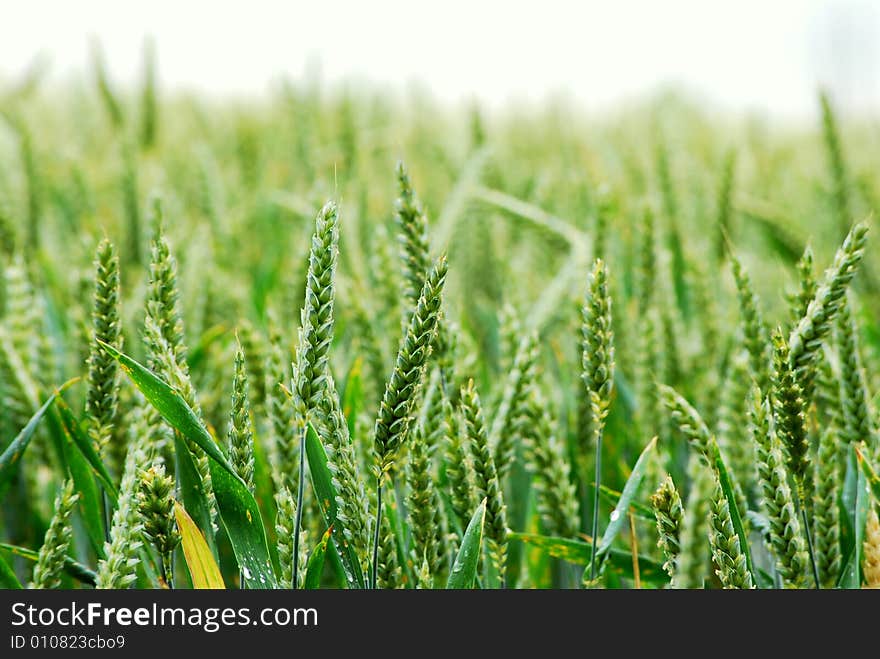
246	572
614	515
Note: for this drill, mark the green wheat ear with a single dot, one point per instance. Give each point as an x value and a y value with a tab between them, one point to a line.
691	567
413	237
424	506
786	540
788	410
557	501
807	286
459	467
826	519
486	477
669	515
155	502
689	423
856	415
509	423
598	345
597	371
731	565
163	295
389	574
240	436
50	562
342	461
805	339
103	380
256	354
310	372
316	318
754	331
285	505
281	433
118	569
392	423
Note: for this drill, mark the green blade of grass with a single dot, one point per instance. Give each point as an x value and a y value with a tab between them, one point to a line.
195	500
849	574
315	567
237	506
11	457
244	527
762	579
85	446
90	504
619	514
322	483
170	404
336	565
640	510
467	560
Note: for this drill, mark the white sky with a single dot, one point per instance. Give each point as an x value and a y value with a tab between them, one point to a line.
760	54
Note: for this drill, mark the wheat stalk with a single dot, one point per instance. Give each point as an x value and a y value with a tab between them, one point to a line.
50	561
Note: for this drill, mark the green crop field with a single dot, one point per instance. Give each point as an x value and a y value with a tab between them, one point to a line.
334	338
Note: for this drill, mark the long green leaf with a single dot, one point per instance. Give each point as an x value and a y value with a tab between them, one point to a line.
237	506
8	580
191	491
467	560
244	526
849	575
90	504
76	570
85	446
11	457
315	567
619	514
325	493
170	404
578	552
336	565
640	510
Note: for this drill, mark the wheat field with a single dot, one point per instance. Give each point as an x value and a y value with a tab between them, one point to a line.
337	339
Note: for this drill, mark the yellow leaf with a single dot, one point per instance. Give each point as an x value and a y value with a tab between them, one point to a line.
202	567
